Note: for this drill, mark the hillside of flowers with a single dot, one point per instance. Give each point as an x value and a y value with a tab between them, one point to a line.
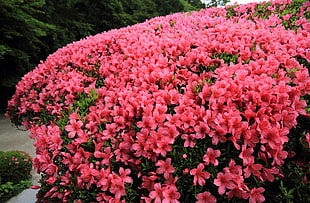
208	106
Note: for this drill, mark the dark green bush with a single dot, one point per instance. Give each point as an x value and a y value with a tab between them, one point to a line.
15	166
9	189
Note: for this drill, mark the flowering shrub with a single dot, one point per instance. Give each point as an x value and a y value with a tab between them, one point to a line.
192	107
15	166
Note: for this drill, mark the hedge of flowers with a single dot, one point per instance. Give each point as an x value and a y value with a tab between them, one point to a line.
191	107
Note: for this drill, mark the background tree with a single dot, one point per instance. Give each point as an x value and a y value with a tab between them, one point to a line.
20	41
196	3
211	3
69	21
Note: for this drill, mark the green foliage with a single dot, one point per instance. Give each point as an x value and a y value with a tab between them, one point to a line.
165	7
227	57
85	101
15	166
69	18
20	37
294	187
21	45
215	3
3	50
197	4
10	189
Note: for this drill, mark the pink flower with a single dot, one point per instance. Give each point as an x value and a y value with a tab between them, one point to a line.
278	156
234	169
224	181
51	169
185	171
54	141
117	186
171	180
201	130
274	137
105	156
211	156
301	21
146	199
35	187
92	126
74	116
187	119
287	16
289	118
308	139
199	175
162	143
105	178
267	174
189	140
74	128
165	167
123	175
252	169
256	196
237	192
148	182
147	122
82	138
157	194
170	194
205	197
42	161
122	152
219	134
159	113
246	155
141	145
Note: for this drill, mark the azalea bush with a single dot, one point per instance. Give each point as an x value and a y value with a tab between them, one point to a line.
15	166
192	107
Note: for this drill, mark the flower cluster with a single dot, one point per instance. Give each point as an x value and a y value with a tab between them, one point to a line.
188	107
